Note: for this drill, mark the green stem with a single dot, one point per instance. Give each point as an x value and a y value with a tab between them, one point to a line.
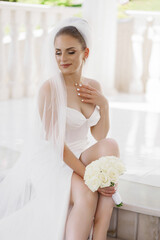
120	205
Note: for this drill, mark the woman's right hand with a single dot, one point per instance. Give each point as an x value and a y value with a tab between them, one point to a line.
107	191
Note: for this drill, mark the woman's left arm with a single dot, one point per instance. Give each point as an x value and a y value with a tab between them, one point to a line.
94	95
100	130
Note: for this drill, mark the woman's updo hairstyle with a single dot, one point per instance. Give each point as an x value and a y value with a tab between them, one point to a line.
73	32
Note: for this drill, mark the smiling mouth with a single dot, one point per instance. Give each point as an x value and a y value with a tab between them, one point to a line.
65	65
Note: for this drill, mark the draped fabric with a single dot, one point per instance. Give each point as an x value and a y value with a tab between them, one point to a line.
35	193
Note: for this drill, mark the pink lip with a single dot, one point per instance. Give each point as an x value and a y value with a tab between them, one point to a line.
65	65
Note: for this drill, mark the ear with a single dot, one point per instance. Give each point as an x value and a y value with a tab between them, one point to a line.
86	53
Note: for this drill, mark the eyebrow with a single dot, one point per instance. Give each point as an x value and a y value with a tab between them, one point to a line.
66	49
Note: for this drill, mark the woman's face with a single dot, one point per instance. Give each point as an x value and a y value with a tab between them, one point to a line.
69	54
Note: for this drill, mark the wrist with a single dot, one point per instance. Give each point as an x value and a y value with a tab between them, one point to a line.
104	104
104	107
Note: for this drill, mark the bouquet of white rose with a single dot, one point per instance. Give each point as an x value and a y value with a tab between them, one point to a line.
104	172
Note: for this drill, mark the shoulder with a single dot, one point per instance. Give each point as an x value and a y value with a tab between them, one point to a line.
44	94
94	83
45	88
46	91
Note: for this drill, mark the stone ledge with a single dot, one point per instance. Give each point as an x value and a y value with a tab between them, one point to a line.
140	198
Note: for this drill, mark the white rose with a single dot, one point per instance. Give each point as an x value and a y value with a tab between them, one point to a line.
120	167
113	174
106	182
93	183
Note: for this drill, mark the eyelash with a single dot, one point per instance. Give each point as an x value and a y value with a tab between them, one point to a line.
57	53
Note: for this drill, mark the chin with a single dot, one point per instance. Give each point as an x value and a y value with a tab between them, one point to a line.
67	71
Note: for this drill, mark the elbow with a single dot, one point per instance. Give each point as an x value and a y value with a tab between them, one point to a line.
64	153
100	136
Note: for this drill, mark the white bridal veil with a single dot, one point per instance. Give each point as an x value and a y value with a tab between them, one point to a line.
34	195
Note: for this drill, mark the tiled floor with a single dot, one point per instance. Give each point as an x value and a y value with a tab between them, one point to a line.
135	124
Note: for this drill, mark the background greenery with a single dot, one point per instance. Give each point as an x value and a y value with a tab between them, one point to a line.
145	5
67	3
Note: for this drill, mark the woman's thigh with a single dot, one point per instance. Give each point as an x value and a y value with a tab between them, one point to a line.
80	192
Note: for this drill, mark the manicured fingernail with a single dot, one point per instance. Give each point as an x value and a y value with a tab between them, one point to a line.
80	85
79	94
82	100
78	89
76	84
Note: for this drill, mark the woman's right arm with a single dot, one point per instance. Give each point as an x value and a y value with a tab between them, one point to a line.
73	162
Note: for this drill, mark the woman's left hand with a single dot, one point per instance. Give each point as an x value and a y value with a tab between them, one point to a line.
108	191
89	94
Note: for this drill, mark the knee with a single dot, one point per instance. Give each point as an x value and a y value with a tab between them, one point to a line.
114	146
109	146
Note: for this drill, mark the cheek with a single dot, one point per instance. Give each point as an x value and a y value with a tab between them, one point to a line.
57	59
78	60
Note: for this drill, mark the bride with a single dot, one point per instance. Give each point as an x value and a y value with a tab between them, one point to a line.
44	195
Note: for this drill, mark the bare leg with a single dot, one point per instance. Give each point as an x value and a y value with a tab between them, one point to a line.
102	217
105	205
82	213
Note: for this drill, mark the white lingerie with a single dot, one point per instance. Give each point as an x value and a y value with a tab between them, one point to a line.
77	127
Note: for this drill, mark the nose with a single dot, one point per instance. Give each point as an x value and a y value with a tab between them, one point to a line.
63	57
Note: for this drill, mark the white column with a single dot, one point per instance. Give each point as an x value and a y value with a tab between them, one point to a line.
153	83
29	56
40	55
102	15
14	68
136	85
4	90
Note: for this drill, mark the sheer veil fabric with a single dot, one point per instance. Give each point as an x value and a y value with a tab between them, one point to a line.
34	195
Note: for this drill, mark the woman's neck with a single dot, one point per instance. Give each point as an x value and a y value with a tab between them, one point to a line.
72	79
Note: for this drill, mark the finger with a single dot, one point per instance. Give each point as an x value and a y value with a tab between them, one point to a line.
108	189
84	90
87	100
107	192
106	195
88	87
85	95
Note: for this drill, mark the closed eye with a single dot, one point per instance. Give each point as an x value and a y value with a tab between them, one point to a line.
58	53
71	52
